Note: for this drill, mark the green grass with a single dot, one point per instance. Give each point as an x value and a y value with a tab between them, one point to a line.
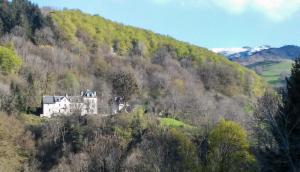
271	71
173	123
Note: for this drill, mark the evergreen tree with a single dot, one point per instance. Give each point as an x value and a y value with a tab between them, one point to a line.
287	129
291	123
21	13
281	121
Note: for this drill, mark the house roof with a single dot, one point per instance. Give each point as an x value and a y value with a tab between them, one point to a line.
75	99
52	99
88	93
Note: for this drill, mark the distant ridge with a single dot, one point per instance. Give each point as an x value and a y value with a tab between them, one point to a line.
248	55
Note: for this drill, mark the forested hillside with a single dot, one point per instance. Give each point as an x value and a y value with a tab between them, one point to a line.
68	51
182	93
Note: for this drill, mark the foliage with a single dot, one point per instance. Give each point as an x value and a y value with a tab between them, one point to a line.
131	124
9	60
31	120
279	119
21	13
186	151
290	124
229	147
124	85
125	39
79	51
16	144
69	83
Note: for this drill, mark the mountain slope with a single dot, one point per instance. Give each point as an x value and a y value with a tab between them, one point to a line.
239	53
125	40
73	51
248	55
180	92
285	52
122	38
272	63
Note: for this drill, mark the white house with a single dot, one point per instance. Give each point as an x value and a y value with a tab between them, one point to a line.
118	105
84	104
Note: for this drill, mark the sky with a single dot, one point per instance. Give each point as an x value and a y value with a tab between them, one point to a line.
207	23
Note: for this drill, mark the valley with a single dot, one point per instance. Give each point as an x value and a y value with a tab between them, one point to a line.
274	72
273	64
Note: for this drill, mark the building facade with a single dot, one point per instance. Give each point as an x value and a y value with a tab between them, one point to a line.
84	104
118	105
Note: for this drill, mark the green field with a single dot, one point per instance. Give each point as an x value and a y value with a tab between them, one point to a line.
272	71
173	123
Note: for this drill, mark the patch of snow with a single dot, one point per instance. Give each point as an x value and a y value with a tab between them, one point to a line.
242	52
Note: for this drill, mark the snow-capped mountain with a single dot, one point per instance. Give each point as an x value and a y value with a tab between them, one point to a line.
239	53
248	55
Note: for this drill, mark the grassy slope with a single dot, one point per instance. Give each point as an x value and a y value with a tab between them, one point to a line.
272	70
173	123
105	32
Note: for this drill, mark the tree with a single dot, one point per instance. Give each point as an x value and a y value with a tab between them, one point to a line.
27	15
289	120
229	148
1	27
9	61
44	36
124	84
264	128
69	83
19	96
33	100
281	122
138	48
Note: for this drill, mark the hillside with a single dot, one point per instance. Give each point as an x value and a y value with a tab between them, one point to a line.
126	40
239	53
74	51
181	95
273	64
274	72
249	55
290	52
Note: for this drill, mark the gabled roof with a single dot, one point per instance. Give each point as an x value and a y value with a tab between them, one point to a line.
88	93
52	99
72	99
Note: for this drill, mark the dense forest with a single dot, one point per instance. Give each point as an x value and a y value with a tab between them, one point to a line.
194	110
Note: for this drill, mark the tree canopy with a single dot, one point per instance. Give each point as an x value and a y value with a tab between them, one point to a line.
229	147
9	60
124	85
